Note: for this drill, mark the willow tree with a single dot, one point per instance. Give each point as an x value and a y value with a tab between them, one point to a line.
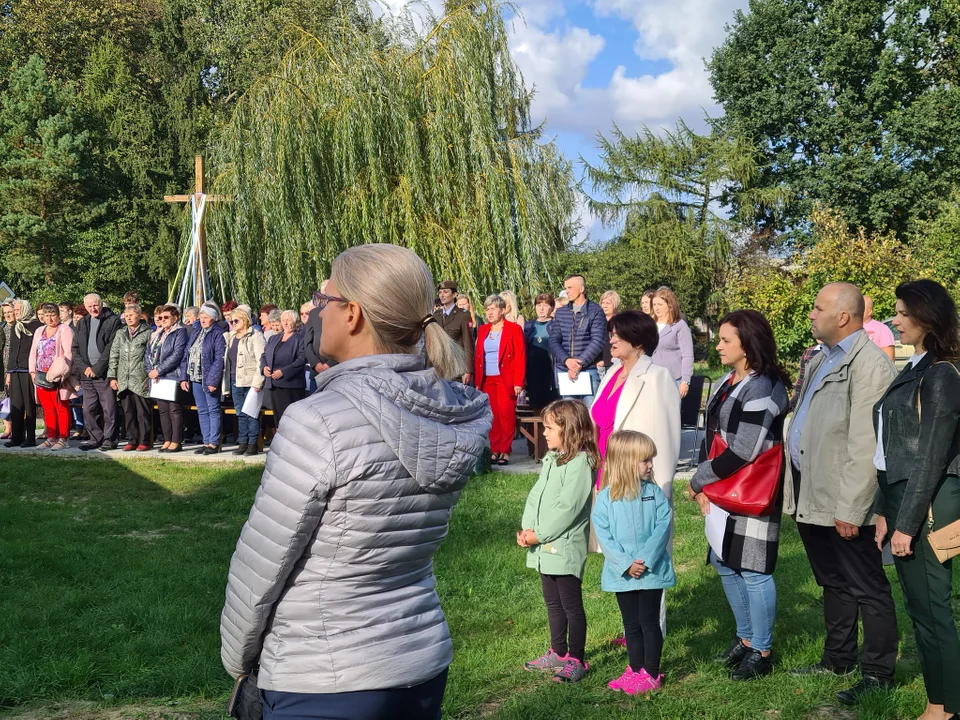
375	132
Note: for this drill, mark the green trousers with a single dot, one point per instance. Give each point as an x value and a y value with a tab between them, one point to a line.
927	588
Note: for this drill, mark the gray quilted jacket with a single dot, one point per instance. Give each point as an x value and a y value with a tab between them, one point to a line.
331	587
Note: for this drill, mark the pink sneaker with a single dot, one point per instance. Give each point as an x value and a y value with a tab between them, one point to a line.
641	682
618	683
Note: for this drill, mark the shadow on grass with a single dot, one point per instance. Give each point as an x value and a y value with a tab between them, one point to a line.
113	577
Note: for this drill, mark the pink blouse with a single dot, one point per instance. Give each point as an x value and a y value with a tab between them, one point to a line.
604	413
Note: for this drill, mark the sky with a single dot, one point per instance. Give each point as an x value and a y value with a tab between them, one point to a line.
594	63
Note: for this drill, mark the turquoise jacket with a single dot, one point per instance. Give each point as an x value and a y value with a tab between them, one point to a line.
637	529
558	511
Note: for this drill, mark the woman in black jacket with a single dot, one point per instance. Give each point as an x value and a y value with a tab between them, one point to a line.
541	377
284	366
23	401
918	462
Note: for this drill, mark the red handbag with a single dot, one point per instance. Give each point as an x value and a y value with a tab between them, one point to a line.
754	488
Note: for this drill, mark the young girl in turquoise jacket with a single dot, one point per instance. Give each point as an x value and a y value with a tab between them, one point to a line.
556	521
632	521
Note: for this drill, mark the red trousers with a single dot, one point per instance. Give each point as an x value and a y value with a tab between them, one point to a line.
503	403
56	414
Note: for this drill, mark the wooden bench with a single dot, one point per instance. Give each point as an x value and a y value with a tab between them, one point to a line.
530	426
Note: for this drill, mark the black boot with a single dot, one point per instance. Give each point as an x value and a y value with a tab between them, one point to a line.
733	655
753	665
241	449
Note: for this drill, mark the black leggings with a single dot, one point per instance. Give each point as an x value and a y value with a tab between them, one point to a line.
565	613
641	628
171	420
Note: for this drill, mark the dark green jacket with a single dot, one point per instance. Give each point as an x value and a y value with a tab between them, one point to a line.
127	360
921	435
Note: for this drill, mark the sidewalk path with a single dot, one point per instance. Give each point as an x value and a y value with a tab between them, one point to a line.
185	456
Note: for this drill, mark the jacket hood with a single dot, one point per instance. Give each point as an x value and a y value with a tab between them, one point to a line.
437	429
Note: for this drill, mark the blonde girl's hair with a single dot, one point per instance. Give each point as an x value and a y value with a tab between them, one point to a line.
577	433
395	290
626	449
614	297
513	306
673	307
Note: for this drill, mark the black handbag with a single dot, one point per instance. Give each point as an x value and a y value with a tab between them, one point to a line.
40	380
245	703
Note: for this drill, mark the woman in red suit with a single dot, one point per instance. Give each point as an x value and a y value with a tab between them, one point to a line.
499	366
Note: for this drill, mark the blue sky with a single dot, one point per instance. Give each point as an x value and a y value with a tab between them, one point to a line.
598	62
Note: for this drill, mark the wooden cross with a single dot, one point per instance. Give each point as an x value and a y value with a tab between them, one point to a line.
198	246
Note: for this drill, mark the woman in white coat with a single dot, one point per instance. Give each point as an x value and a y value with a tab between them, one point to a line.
637	395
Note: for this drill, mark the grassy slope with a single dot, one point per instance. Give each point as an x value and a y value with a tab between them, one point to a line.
112	581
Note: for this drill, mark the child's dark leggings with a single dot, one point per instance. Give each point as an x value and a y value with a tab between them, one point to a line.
565	612
641	627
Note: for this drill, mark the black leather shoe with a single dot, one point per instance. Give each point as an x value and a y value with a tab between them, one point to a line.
241	449
11	444
868	684
207	450
734	654
821	668
87	446
201	451
753	665
107	446
28	444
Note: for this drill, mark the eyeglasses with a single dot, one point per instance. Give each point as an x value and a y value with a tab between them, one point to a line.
320	300
234	322
164	317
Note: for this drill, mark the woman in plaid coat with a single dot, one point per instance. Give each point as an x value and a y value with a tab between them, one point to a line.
748	410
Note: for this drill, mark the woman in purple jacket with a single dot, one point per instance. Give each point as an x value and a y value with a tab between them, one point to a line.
675	351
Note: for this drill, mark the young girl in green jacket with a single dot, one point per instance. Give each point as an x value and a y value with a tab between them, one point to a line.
555	521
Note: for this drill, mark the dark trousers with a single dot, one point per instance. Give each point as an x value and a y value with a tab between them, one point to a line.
99	409
564	601
854	584
171	420
420	702
927	592
282	398
137	415
641	628
23	408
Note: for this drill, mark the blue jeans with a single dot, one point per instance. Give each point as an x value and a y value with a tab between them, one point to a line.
208	411
420	702
248	428
753	599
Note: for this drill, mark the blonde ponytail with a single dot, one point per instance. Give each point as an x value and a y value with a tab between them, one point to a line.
395	290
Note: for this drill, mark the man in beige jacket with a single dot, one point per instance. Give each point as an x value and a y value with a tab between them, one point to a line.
830	489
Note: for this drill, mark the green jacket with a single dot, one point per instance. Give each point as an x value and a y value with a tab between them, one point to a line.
127	360
558	512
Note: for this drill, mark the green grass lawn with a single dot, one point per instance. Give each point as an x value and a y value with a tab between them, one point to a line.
111	584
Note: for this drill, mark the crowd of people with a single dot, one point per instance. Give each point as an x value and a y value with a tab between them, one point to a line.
331	603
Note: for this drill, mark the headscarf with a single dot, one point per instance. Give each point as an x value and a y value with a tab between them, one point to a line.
26	315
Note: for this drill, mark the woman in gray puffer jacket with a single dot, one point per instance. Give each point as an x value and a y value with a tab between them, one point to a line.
331	589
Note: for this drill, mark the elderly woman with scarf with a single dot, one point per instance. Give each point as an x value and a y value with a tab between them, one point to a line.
202	366
23	403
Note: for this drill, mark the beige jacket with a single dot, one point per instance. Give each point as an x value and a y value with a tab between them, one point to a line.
249	352
650	403
837	445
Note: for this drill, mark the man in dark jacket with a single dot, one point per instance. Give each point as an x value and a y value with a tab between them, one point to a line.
455	322
91	356
577	336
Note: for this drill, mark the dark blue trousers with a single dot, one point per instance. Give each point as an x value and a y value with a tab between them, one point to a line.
420	702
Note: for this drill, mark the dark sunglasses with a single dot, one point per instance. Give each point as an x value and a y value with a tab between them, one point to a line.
234	322
320	300
165	317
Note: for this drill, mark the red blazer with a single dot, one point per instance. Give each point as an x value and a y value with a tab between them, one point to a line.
513	355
